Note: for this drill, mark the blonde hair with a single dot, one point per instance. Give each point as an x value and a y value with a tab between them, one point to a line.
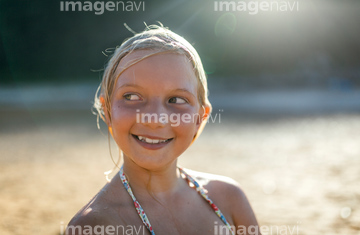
159	40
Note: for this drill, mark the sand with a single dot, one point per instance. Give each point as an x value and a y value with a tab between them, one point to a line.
300	173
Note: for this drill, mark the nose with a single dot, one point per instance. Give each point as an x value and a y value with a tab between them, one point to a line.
154	114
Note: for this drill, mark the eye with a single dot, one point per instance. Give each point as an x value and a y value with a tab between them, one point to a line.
177	100
132	97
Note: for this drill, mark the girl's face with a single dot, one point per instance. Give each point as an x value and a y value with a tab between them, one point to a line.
155	112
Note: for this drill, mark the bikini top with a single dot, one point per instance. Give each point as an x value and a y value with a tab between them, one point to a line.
198	187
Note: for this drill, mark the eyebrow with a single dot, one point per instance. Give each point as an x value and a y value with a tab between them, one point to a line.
129	85
183	90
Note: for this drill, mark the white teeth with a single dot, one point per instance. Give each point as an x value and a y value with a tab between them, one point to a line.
150	141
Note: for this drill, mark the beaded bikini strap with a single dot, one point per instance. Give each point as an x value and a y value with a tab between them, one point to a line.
203	193
137	205
199	189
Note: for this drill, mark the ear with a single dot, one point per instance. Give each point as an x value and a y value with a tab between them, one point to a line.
207	111
107	117
201	122
204	114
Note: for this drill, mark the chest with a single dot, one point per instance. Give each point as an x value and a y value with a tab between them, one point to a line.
197	218
187	214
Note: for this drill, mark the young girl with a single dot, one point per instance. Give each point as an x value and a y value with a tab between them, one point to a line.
151	78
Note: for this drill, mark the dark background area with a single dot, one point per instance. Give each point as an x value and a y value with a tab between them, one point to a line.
315	46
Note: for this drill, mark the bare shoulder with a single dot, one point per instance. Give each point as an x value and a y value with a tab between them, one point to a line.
100	212
88	217
217	183
229	196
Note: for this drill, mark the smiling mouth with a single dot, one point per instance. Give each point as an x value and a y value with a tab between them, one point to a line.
151	141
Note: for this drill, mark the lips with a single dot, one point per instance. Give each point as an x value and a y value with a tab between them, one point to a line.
152	142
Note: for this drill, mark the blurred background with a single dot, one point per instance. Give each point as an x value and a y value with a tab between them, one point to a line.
285	86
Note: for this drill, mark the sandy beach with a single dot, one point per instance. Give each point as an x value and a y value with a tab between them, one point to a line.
301	173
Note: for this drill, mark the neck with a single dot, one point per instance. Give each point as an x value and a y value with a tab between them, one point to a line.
161	182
